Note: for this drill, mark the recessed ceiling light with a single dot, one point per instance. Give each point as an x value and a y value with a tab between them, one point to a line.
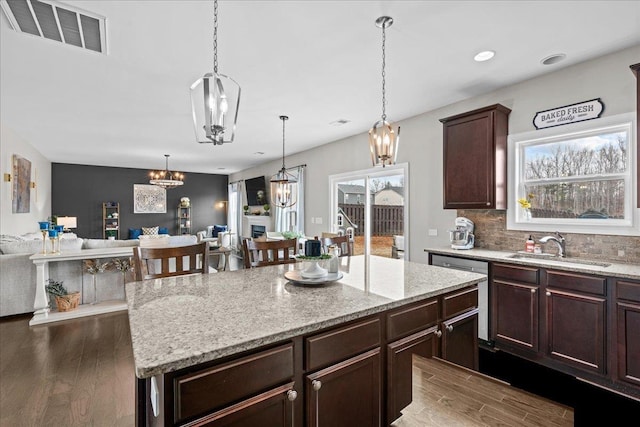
553	59
339	122
221	169
259	153
484	56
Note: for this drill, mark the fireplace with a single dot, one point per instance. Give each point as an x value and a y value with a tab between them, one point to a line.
257	230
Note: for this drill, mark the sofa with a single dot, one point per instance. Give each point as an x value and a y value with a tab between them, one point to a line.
216	235
18	272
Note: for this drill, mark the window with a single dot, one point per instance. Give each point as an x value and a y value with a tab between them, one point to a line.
578	178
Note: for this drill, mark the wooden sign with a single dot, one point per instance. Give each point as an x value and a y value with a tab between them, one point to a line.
573	113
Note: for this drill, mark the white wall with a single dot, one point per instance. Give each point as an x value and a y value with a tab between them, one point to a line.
21	223
607	77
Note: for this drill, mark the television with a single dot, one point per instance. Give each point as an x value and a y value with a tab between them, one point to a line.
256	191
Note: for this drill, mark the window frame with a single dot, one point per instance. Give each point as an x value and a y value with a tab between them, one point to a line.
629	226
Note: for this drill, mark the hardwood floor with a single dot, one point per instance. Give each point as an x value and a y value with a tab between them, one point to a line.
447	395
74	373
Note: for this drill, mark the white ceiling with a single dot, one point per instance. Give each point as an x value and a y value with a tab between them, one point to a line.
316	61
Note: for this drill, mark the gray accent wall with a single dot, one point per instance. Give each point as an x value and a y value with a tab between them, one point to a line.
80	190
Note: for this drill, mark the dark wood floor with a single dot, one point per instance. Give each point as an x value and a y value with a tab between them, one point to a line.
447	395
73	373
80	373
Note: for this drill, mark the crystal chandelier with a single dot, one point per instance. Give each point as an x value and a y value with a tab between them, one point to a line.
383	140
284	186
215	99
166	178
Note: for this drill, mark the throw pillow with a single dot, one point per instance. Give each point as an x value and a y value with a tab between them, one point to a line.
217	229
163	230
134	233
150	230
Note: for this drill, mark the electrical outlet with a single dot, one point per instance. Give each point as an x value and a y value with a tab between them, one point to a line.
620	252
433	232
319	220
313	220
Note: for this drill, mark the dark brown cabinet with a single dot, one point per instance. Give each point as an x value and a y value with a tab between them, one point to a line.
575	320
346	394
628	331
475	146
460	340
515	307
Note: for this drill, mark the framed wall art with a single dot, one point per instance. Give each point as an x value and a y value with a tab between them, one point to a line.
149	199
21	190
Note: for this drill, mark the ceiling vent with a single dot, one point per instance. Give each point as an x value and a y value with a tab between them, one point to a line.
54	21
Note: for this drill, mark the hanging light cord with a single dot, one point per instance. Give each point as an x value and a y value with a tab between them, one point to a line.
384	101
215	37
283	120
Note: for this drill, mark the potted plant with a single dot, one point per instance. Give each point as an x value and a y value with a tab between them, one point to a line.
64	300
246	209
266	209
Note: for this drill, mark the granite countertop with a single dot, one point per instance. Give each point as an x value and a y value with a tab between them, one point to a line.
186	320
628	271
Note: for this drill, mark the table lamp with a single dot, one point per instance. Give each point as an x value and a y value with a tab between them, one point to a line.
68	222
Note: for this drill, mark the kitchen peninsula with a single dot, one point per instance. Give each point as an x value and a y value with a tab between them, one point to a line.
235	345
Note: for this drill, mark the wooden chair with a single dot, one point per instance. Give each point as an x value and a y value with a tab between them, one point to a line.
260	254
340	241
151	263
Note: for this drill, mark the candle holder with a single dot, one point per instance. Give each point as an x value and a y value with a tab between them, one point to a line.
55	241
44	229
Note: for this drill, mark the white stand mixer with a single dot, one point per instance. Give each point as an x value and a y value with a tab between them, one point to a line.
462	237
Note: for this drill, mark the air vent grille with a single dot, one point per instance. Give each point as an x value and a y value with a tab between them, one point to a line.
49	19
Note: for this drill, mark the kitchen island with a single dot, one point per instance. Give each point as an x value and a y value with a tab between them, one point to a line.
216	346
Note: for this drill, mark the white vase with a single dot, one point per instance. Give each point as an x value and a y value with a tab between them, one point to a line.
313	271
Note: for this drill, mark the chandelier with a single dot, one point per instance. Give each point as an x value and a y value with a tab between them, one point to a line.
215	99
383	140
166	178
284	186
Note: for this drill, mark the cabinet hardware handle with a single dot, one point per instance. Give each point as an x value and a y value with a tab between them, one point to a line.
438	333
449	328
292	395
317	385
533	291
548	294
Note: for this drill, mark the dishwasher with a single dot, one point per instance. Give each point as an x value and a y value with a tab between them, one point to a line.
475	266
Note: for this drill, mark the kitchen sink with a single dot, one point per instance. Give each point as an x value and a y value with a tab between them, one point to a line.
549	257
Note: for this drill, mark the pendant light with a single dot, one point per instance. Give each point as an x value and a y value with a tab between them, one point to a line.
166	179
383	140
284	186
215	99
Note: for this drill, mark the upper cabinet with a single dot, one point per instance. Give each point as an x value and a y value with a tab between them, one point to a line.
636	70
475	159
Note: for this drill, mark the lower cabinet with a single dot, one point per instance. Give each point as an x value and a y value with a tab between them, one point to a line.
460	340
345	394
628	331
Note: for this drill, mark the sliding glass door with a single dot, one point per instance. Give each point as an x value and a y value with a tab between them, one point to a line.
372	207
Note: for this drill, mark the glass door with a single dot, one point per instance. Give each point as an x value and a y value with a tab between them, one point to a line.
372	208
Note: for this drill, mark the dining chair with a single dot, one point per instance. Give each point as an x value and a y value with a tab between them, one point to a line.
151	263
341	242
260	254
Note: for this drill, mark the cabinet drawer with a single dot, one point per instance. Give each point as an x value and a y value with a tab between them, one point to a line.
628	290
341	343
515	273
458	302
412	318
577	282
210	389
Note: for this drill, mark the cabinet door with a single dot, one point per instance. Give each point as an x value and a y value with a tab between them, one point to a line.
576	329
400	368
628	330
270	409
345	394
515	315
475	159
460	339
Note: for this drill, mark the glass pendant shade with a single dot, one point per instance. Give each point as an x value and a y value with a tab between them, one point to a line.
284	189
166	179
383	143
215	99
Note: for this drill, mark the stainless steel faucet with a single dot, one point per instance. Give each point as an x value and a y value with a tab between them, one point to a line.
558	239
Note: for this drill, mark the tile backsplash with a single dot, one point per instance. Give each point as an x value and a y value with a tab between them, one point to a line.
491	233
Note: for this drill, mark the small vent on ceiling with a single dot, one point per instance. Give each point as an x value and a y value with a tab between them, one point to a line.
54	21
